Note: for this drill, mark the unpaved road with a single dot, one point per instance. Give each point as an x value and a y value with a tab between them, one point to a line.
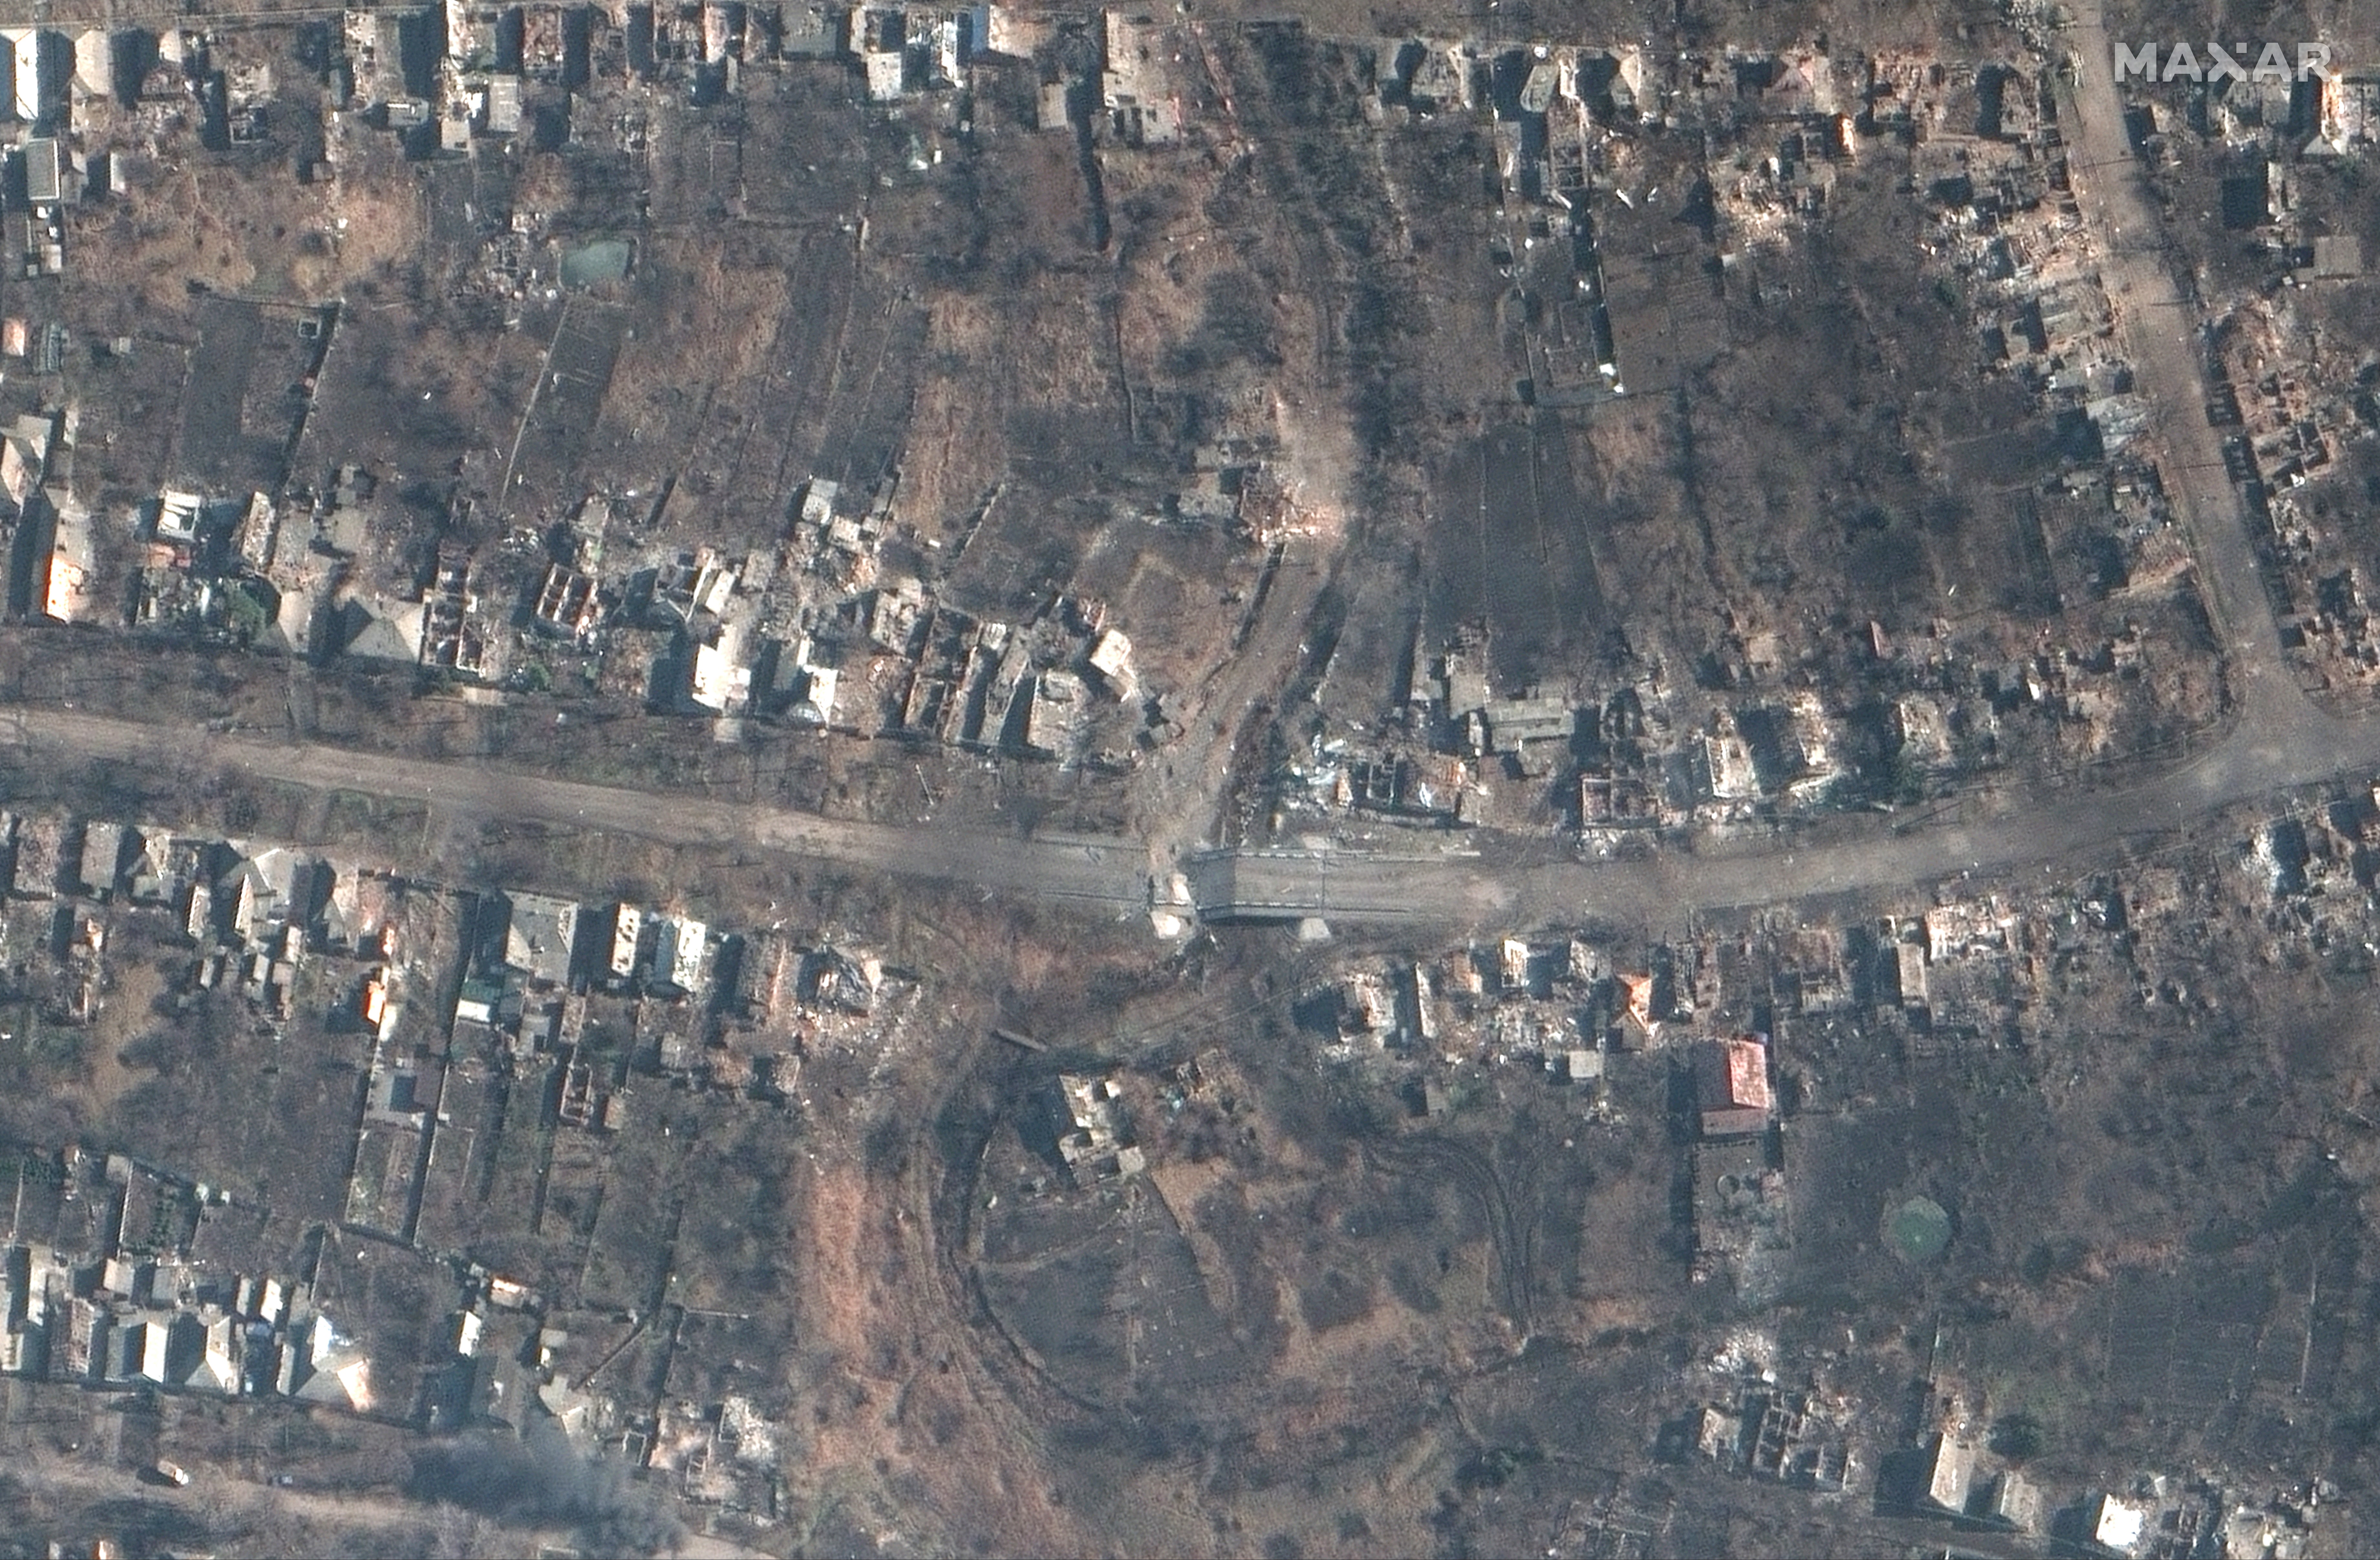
2062	831
1091	873
2160	336
349	1511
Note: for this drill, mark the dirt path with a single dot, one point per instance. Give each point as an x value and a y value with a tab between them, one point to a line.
211	1494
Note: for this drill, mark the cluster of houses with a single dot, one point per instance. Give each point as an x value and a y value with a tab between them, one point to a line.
496	65
1971	969
249	910
817	634
113	1277
1991	164
755	636
1570	125
54	567
1975	970
2288	408
1979	968
1959	1479
732	1011
1849	96
2286	404
1649	756
108	1283
1802	1429
45	75
810	633
500	65
276	570
119	1273
2321	867
86	110
1561	1006
253	911
2007	226
1793	1433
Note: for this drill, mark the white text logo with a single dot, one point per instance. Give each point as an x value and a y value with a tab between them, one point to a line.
2213	62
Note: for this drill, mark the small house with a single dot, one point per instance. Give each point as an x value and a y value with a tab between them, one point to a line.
1731	1086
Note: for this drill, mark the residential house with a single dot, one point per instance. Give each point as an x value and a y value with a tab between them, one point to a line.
341	1380
541	939
1723	770
277	888
1100	1142
1056	713
817	504
200	923
42	70
832	979
681	960
372	628
503	106
69	581
1909	965
362	913
1949	1474
879	37
1731	1086
2016	1502
1512	722
163	867
568	604
24	458
85	1350
178	518
219	1349
103	857
719	677
632	935
485	1002
1111	657
499	1392
2116	1526
127	1349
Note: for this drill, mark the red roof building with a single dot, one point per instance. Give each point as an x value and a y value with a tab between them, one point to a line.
1731	1079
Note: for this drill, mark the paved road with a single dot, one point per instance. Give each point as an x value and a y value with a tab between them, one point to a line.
2277	740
